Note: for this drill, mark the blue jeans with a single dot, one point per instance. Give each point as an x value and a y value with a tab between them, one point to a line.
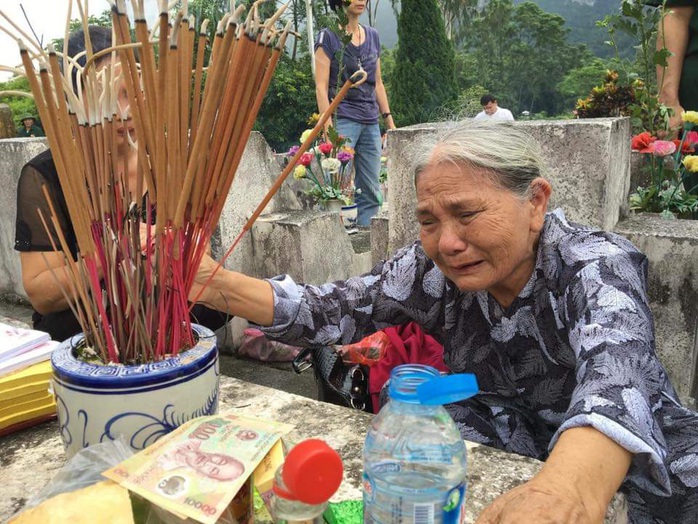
366	141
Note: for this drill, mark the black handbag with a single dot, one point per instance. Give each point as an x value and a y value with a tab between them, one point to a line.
338	383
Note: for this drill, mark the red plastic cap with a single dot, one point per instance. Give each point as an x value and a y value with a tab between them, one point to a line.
312	471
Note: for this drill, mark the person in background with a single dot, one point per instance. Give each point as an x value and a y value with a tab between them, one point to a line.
41	263
29	127
552	317
492	111
357	114
678	32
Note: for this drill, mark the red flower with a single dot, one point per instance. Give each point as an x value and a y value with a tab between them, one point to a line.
642	142
686	148
306	159
325	148
692	137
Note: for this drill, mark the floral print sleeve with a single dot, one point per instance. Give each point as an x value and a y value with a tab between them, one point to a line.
406	287
620	382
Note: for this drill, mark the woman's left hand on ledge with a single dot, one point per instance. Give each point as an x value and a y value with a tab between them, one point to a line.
536	501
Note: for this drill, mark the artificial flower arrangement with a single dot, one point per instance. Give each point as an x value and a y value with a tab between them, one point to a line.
673	189
328	168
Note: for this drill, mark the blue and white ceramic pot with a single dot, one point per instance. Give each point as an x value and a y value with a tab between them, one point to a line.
141	402
348	215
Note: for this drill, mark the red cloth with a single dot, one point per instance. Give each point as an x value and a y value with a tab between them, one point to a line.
408	345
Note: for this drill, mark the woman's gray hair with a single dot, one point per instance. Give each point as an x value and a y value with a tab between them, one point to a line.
510	155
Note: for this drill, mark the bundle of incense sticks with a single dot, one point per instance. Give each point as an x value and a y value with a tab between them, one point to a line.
191	122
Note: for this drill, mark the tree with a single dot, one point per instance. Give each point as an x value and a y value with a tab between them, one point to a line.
20	105
288	104
423	81
458	15
522	54
578	82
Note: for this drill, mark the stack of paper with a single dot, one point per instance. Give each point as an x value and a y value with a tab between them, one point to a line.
25	372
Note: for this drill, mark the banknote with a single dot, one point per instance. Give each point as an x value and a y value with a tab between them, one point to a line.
196	470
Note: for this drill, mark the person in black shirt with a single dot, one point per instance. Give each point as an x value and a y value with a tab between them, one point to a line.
41	264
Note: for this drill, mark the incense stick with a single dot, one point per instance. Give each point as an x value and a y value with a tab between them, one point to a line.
190	135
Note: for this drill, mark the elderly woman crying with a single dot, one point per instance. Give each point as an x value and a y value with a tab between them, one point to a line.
551	316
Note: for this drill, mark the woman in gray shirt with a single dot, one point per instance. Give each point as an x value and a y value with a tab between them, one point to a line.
357	114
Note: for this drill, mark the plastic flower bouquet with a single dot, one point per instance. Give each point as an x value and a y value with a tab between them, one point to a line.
673	187
328	168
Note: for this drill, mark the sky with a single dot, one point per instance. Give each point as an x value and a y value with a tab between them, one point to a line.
47	17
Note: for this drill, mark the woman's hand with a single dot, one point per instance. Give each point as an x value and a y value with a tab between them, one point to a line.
537	501
575	485
675	122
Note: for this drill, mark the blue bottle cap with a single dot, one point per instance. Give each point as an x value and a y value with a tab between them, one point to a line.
447	388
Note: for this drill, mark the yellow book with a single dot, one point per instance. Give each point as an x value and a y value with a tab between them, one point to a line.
36	412
28	375
24	389
17	404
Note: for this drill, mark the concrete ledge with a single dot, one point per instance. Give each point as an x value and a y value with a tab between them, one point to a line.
672	249
311	246
380	237
31	458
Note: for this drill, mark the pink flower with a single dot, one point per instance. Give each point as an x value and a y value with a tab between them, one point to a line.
306	159
662	147
325	148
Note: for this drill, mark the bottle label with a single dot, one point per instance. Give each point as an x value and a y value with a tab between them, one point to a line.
454	509
391	504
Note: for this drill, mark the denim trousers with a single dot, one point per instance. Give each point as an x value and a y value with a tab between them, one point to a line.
366	141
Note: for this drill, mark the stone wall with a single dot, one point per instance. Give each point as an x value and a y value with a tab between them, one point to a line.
672	249
14	153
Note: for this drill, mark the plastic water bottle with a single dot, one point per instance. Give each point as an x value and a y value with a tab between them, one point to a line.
414	456
304	483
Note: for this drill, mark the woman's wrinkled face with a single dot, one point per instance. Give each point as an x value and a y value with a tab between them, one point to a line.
479	234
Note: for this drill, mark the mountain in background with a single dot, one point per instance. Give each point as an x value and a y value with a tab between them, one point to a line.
580	17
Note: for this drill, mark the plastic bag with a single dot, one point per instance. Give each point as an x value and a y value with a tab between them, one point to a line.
367	351
256	345
84	469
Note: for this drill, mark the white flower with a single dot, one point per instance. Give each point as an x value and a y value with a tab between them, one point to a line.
331	165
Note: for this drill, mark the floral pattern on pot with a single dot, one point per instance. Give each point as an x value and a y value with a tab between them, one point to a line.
141	402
